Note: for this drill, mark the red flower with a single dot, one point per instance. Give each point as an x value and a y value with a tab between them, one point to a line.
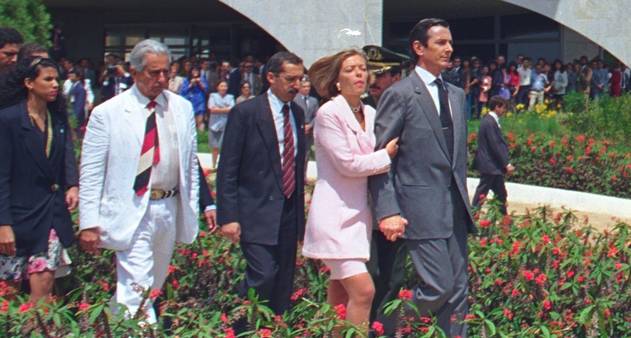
508	314
569	170
547	305
618	265
202	234
155	293
297	294
84	306
104	285
4	307
499	281
423	329
613	251
469	316
405	294
552	161
483	242
515	250
425	319
570	274
25	307
580	279
607	313
171	269
340	310
580	138
556	251
265	333
175	284
515	293
485	223
229	333
528	275
541	279
324	269
224	318
545	239
378	328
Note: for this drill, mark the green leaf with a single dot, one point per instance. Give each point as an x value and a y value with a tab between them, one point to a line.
585	314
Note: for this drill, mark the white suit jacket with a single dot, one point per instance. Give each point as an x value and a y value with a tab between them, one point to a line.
109	162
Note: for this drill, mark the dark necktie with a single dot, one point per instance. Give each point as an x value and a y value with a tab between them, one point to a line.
149	154
289	173
445	117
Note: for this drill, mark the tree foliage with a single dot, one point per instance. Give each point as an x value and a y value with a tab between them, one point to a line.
29	17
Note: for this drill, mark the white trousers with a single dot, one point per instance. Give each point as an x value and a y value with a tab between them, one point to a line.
144	266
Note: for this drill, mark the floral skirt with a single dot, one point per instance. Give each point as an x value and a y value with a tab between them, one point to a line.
14	268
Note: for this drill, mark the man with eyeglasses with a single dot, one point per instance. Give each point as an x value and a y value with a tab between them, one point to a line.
10	43
140	179
260	182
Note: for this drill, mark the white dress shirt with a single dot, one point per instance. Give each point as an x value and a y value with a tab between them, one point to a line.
496	118
276	105
165	174
428	79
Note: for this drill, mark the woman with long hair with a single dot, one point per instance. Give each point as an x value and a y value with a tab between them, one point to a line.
194	89
38	187
246	92
339	225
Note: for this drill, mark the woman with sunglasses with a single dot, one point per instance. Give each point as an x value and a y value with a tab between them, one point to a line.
38	187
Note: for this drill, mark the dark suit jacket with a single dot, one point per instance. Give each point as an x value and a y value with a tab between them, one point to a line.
419	184
32	187
492	154
249	177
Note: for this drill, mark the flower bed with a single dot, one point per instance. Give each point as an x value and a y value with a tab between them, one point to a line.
542	276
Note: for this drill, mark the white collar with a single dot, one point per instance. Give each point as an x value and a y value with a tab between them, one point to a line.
427	77
497	119
161	99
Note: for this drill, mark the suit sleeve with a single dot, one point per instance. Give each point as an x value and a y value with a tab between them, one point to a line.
193	162
388	125
334	141
93	162
6	157
71	170
230	166
496	146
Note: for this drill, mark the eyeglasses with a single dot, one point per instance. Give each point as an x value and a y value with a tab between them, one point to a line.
156	73
290	79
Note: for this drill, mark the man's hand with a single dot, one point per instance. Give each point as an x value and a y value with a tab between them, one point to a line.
72	198
308	129
510	169
211	219
7	240
393	227
232	231
89	240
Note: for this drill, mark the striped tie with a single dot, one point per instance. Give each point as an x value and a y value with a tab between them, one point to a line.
289	173
150	153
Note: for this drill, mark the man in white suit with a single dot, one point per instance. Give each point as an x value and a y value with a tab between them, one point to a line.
139	178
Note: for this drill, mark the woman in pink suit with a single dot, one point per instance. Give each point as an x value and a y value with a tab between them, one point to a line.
340	223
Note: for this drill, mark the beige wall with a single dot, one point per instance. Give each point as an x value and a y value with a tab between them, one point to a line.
313	29
605	22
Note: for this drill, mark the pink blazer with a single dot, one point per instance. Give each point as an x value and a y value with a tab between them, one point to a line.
339	224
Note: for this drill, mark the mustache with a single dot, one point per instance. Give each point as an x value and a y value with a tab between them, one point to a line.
292	91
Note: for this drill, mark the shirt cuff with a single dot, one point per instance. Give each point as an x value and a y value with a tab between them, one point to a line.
210	208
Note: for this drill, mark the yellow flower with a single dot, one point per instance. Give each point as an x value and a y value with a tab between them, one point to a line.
484	111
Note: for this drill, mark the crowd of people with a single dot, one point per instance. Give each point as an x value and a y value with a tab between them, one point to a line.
525	82
140	187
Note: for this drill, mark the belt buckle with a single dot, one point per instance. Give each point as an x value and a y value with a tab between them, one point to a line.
156	194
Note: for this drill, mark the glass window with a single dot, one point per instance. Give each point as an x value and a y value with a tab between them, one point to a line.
528	26
472	28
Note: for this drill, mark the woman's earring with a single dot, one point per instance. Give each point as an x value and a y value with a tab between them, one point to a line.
337	85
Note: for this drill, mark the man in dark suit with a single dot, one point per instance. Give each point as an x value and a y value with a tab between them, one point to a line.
491	157
424	196
309	105
260	179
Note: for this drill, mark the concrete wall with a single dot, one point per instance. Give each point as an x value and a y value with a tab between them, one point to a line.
602	21
313	29
575	45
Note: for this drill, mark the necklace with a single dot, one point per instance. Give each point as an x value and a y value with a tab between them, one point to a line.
356	109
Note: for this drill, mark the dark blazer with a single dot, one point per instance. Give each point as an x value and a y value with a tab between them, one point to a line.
419	184
78	105
492	154
32	187
249	177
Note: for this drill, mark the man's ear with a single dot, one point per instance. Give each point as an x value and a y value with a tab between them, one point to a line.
418	48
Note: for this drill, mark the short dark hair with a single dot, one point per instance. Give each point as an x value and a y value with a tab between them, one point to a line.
419	32
27	50
275	63
496	101
9	35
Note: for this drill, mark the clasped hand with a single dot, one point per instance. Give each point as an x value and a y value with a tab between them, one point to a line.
393	227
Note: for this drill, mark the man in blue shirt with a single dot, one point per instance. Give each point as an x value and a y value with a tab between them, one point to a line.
540	85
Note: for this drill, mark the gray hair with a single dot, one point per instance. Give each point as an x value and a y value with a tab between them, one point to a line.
148	46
